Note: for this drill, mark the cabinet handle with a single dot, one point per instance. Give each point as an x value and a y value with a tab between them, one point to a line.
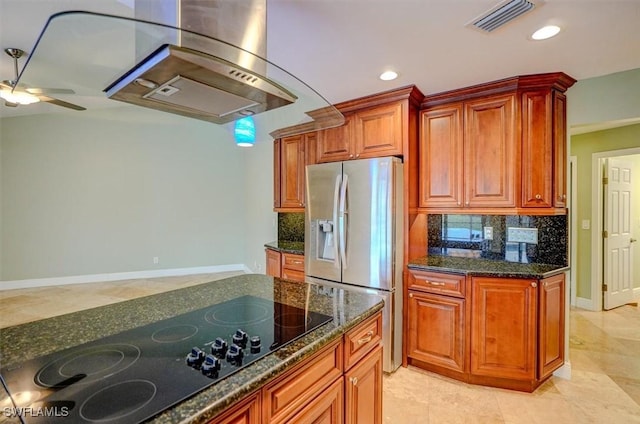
459	203
366	339
534	284
298	262
538	197
466	203
351	155
434	283
564	196
354	380
358	155
410	294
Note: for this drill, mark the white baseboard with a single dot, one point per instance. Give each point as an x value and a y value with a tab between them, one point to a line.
587	304
564	371
94	278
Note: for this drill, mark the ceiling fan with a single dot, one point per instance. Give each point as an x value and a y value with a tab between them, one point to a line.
20	94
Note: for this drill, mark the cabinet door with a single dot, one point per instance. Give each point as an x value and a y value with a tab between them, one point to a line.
327	408
551	326
276	173
441	167
335	144
560	150
378	131
537	149
503	327
246	412
491	152
292	267
436	330
363	393
292	165
273	263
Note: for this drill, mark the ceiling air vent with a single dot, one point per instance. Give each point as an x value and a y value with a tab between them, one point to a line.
502	13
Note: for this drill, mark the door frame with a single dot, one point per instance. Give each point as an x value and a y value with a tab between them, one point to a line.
597	216
573	226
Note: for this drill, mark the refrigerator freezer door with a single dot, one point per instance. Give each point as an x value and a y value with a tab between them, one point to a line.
321	215
371	218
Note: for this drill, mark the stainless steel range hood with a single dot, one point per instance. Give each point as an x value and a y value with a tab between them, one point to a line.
187	81
191	83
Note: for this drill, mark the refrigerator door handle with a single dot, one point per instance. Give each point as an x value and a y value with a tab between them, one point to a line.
343	221
336	230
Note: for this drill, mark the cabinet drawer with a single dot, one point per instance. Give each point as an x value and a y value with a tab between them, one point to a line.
287	395
293	262
362	339
435	282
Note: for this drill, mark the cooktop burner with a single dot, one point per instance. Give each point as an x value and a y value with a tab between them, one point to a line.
131	376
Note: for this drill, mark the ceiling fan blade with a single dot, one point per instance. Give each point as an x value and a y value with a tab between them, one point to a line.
37	91
62	103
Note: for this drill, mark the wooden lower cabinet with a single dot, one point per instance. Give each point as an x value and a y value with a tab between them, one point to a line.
323	388
505	332
273	267
504	327
437	331
327	408
246	412
363	392
288	266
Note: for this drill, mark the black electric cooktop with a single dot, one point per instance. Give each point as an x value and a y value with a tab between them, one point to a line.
131	376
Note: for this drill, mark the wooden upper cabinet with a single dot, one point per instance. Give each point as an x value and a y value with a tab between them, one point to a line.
537	149
292	163
490	152
378	131
560	150
291	155
334	144
468	154
513	155
441	172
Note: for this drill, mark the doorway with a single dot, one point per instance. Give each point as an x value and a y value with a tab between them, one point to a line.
613	251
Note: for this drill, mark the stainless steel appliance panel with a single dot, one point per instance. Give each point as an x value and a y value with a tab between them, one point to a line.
321	232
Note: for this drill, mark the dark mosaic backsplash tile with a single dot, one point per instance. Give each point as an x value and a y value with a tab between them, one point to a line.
291	226
463	235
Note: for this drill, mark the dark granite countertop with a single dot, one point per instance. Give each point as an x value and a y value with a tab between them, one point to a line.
485	267
23	342
295	247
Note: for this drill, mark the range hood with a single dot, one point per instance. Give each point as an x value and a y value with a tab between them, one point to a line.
169	64
191	83
190	78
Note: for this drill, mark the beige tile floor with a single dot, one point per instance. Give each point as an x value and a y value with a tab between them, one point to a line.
604	354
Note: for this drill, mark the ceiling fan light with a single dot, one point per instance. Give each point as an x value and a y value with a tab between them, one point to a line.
19	97
546	32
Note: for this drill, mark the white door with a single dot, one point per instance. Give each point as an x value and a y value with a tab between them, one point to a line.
618	241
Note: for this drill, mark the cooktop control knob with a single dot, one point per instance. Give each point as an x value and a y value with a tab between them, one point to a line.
235	355
255	344
240	338
219	347
210	366
195	357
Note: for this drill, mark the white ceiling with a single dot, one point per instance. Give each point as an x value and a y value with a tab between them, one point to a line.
339	47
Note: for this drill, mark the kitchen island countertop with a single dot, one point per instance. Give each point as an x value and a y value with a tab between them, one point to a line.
26	341
485	267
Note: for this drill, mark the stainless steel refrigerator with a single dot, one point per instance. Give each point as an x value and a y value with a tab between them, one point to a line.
353	236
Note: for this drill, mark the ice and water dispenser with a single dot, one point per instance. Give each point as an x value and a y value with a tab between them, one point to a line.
323	238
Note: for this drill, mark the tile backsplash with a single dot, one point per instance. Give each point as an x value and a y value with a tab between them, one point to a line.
521	238
291	226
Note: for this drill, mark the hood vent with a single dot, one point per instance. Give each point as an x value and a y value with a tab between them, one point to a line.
501	14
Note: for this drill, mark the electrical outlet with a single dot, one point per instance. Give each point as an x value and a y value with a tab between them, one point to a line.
156	260
488	233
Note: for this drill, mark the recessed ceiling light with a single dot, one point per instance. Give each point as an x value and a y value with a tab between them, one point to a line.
546	32
388	75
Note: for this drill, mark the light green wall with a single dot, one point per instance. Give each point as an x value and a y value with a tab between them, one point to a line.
583	146
107	190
